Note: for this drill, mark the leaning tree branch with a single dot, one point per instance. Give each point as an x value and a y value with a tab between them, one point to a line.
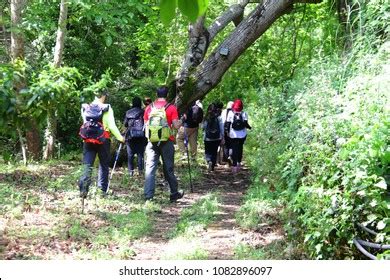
233	13
203	78
197	48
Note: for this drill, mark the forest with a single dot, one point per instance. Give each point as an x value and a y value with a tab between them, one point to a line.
314	78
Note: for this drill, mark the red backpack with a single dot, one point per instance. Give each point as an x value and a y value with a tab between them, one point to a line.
92	130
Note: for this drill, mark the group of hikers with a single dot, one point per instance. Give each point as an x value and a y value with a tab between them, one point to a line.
150	132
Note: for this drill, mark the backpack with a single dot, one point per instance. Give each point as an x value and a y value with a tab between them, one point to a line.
157	128
92	131
195	115
213	131
135	123
238	122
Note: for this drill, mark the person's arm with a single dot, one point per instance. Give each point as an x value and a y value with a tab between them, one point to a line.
221	128
246	121
125	120
176	123
110	125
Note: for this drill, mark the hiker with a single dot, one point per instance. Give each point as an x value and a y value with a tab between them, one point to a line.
160	116
219	106
189	131
147	101
98	123
237	123
135	136
226	146
213	135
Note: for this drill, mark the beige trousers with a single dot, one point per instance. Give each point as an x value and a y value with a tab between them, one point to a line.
192	134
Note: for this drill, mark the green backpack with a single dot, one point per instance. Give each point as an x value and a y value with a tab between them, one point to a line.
157	128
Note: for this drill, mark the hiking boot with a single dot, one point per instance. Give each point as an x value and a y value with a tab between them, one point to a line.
176	196
83	194
235	169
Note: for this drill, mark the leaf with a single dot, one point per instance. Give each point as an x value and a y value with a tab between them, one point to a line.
203	4
108	40
381	184
381	225
189	8
167	10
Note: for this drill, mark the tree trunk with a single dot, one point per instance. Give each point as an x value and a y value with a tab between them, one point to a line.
17	43
5	38
50	134
60	41
51	129
195	81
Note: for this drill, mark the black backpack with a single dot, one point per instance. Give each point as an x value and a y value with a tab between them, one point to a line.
238	122
195	115
213	131
92	131
135	123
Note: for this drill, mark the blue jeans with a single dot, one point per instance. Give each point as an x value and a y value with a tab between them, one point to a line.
135	146
89	155
153	152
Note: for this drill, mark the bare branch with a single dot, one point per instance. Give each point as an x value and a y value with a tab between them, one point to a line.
233	13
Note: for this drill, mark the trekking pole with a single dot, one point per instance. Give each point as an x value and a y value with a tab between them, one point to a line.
113	168
188	157
82	205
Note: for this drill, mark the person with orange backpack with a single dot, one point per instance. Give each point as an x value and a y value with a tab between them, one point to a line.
98	124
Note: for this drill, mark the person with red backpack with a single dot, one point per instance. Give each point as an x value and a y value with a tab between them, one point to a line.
213	135
135	136
236	125
98	123
160	117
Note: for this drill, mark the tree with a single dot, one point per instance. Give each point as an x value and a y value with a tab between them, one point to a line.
17	53
51	129
199	73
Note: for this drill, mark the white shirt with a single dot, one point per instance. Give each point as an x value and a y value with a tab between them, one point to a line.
236	133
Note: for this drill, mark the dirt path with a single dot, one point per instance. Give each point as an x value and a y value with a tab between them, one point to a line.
220	237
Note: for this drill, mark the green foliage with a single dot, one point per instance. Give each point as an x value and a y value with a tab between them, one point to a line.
192	9
197	217
326	145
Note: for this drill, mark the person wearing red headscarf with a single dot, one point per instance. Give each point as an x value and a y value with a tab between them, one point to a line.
236	126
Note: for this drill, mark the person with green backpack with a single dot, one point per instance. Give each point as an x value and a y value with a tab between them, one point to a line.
160	117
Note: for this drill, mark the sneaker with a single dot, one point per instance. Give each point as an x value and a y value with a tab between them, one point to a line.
234	169
209	166
176	196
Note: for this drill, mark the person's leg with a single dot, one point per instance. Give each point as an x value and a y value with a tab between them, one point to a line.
240	149
104	161
193	140
89	155
130	159
208	154
214	152
234	146
168	157
139	148
180	140
152	155
226	148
